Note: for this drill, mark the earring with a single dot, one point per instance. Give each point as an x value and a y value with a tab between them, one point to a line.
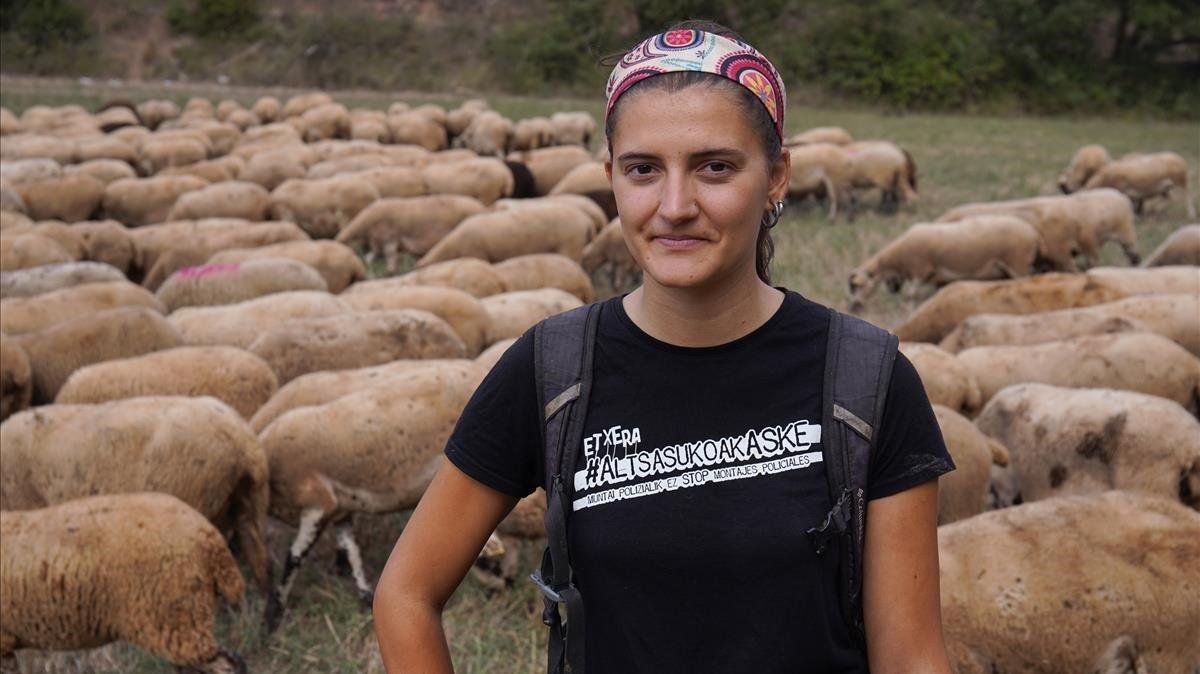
771	218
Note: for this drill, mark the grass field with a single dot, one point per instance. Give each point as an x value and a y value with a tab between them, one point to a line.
959	159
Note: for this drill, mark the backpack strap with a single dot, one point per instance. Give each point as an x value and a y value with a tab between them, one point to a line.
858	370
563	347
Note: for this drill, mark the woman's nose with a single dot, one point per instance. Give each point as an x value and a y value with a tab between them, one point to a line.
677	202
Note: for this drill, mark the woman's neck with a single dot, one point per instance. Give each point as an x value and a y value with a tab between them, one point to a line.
698	317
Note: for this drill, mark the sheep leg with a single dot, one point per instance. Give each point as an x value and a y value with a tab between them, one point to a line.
349	547
312	522
831	196
226	662
391	253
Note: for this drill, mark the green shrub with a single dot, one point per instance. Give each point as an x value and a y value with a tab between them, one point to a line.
45	23
212	18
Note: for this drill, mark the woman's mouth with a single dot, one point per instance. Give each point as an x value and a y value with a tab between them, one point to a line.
676	242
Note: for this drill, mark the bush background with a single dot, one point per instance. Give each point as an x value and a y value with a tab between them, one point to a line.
1139	57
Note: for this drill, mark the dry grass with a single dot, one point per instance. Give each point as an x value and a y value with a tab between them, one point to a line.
959	159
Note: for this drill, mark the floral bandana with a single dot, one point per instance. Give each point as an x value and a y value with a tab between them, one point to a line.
695	50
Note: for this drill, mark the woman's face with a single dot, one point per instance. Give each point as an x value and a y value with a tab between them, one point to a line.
692	182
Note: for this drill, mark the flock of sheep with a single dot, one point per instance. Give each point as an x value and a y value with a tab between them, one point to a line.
189	343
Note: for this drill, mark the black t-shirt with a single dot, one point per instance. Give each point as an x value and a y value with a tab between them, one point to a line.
699	473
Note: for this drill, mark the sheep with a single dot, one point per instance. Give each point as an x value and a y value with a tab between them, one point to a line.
240	324
834	135
355	340
319	388
28	250
9	124
589	206
195	243
485	178
10	201
330	120
411	225
266	108
16	378
1131	361
497	566
947	382
1069	225
104	170
964	492
351	163
1181	247
30	314
141	568
321	206
232	199
881	164
158	153
33	146
549	165
414	128
1044	587
488	134
573	128
47	278
980	248
373	451
235	377
500	235
336	263
458	119
272	169
938	315
105	147
57	351
546	270
461	310
213	284
608	248
13	220
470	274
532	133
589	180
488	358
821	170
143	201
1139	176
155	112
370	127
1074	441
1159	280
196	449
70	198
1174	316
108	241
512	313
31	170
220	170
67	239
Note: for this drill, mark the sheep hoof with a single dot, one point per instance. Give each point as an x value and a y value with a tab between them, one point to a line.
341	564
274	612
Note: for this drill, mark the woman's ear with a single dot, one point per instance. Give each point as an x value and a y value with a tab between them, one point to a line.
781	173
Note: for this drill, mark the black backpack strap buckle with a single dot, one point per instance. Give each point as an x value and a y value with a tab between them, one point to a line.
836	523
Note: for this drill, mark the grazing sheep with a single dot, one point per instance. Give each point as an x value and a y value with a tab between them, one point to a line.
196	241
1139	176
321	207
242	323
12	220
108	241
32	146
29	314
821	170
586	179
373	451
141	568
488	134
458	119
1075	441
470	274
336	263
980	248
319	388
105	147
546	270
964	492
64	235
498	564
28	250
155	112
881	164
573	128
1181	247
9	124
414	128
1174	316
212	284
500	235
395	181
947	382
143	201
487	360
411	225
159	153
532	133
331	120
1131	361
31	170
551	164
266	108
487	179
16	378
834	135
1069	225
1158	280
512	313
235	377
589	206
1043	588
195	449
608	248
232	199
57	351
70	198
10	201
355	340
272	169
938	315
104	170
220	170
460	309
349	163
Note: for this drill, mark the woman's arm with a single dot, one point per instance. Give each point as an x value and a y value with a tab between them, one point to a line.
901	600
440	542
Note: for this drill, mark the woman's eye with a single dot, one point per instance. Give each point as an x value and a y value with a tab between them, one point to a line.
641	169
718	167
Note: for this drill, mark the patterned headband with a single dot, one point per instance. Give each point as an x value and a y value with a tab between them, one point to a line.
698	51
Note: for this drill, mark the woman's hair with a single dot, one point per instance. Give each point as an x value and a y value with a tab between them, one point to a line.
753	108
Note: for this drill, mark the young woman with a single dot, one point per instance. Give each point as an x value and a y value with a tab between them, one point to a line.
710	575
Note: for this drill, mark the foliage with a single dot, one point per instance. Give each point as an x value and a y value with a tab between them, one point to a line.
45	23
212	18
